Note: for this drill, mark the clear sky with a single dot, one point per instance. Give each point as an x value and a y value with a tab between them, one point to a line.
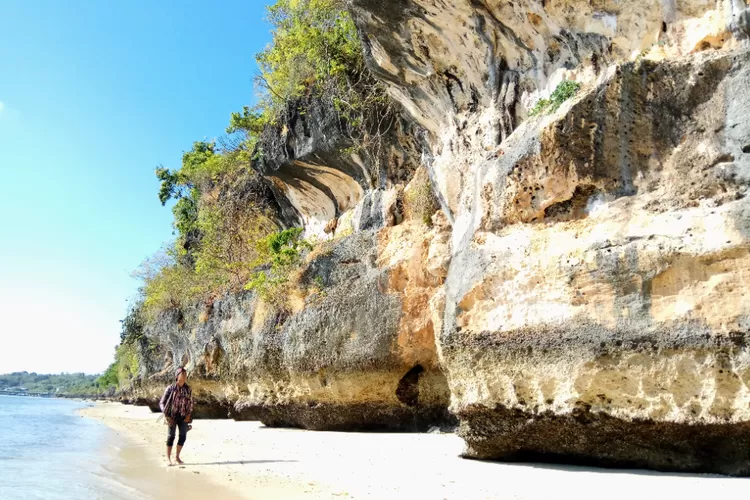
93	96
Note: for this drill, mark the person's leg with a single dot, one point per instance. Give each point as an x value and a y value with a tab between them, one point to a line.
170	442
183	436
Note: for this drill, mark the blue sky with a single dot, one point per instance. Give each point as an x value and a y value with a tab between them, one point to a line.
93	96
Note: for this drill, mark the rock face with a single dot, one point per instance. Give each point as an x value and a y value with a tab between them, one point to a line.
350	359
624	320
595	308
581	295
355	355
319	171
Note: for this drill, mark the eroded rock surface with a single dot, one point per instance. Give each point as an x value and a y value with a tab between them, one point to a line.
359	353
320	171
595	307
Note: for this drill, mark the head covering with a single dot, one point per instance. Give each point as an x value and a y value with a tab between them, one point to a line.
179	370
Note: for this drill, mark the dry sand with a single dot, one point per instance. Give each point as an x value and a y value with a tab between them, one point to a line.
251	461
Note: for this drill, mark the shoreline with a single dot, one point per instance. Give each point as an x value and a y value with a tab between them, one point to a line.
253	461
220	476
129	465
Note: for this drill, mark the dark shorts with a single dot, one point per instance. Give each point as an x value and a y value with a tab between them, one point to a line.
183	426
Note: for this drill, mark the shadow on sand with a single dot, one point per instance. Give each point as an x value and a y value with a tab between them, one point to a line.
240	462
591	468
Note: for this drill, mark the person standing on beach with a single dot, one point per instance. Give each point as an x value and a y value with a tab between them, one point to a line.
177	406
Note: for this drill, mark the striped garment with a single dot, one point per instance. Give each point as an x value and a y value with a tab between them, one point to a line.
179	399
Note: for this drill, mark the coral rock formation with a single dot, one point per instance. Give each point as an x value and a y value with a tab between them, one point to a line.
595	306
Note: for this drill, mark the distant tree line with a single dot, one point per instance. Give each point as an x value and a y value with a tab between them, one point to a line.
63	384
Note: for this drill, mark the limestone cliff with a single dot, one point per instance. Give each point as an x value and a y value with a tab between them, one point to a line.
359	352
595	306
581	295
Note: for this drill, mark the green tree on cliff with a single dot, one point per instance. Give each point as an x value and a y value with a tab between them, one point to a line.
221	211
283	251
313	41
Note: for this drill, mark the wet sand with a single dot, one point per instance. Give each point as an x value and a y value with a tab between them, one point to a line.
249	460
142	476
218	464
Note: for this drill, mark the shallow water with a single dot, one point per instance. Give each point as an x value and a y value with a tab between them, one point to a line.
48	451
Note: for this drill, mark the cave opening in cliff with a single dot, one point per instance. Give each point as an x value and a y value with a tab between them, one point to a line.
408	387
576	207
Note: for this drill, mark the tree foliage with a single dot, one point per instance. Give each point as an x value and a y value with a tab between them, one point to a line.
201	167
420	200
564	91
221	208
222	233
281	251
109	378
132	328
316	54
313	41
64	384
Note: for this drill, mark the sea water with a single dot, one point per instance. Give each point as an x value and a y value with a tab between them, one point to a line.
47	451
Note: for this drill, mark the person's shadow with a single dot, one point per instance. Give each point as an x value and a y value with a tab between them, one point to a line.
241	462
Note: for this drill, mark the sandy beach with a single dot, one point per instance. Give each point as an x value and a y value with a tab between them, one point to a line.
252	461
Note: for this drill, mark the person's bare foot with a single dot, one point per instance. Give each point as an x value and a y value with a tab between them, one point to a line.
177	459
169	462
